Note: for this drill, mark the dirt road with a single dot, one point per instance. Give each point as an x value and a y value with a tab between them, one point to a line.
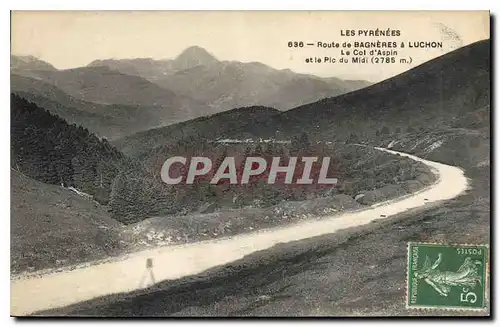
172	262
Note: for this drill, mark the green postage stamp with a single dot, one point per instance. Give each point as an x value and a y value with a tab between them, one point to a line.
447	276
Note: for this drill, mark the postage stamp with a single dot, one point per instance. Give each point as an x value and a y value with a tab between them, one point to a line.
447	276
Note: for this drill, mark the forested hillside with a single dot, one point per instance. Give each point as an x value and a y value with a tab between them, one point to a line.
139	193
47	148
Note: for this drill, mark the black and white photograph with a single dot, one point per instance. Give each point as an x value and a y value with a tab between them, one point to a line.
250	163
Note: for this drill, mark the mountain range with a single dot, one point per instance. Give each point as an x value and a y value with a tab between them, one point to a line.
62	94
152	69
436	94
439	110
431	96
224	85
115	98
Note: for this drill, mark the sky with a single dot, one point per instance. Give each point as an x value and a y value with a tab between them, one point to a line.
69	39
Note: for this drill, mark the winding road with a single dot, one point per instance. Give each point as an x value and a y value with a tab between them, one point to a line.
172	262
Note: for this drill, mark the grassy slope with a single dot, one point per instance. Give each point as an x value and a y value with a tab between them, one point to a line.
111	121
430	96
52	226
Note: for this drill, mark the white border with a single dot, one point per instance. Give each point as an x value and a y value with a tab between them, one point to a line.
251	5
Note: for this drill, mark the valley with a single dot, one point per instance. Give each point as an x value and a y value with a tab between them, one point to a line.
411	154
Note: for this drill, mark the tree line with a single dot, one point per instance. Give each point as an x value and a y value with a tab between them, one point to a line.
47	148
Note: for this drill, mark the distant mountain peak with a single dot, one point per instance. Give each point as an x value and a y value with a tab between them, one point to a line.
195	56
29	62
27	58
